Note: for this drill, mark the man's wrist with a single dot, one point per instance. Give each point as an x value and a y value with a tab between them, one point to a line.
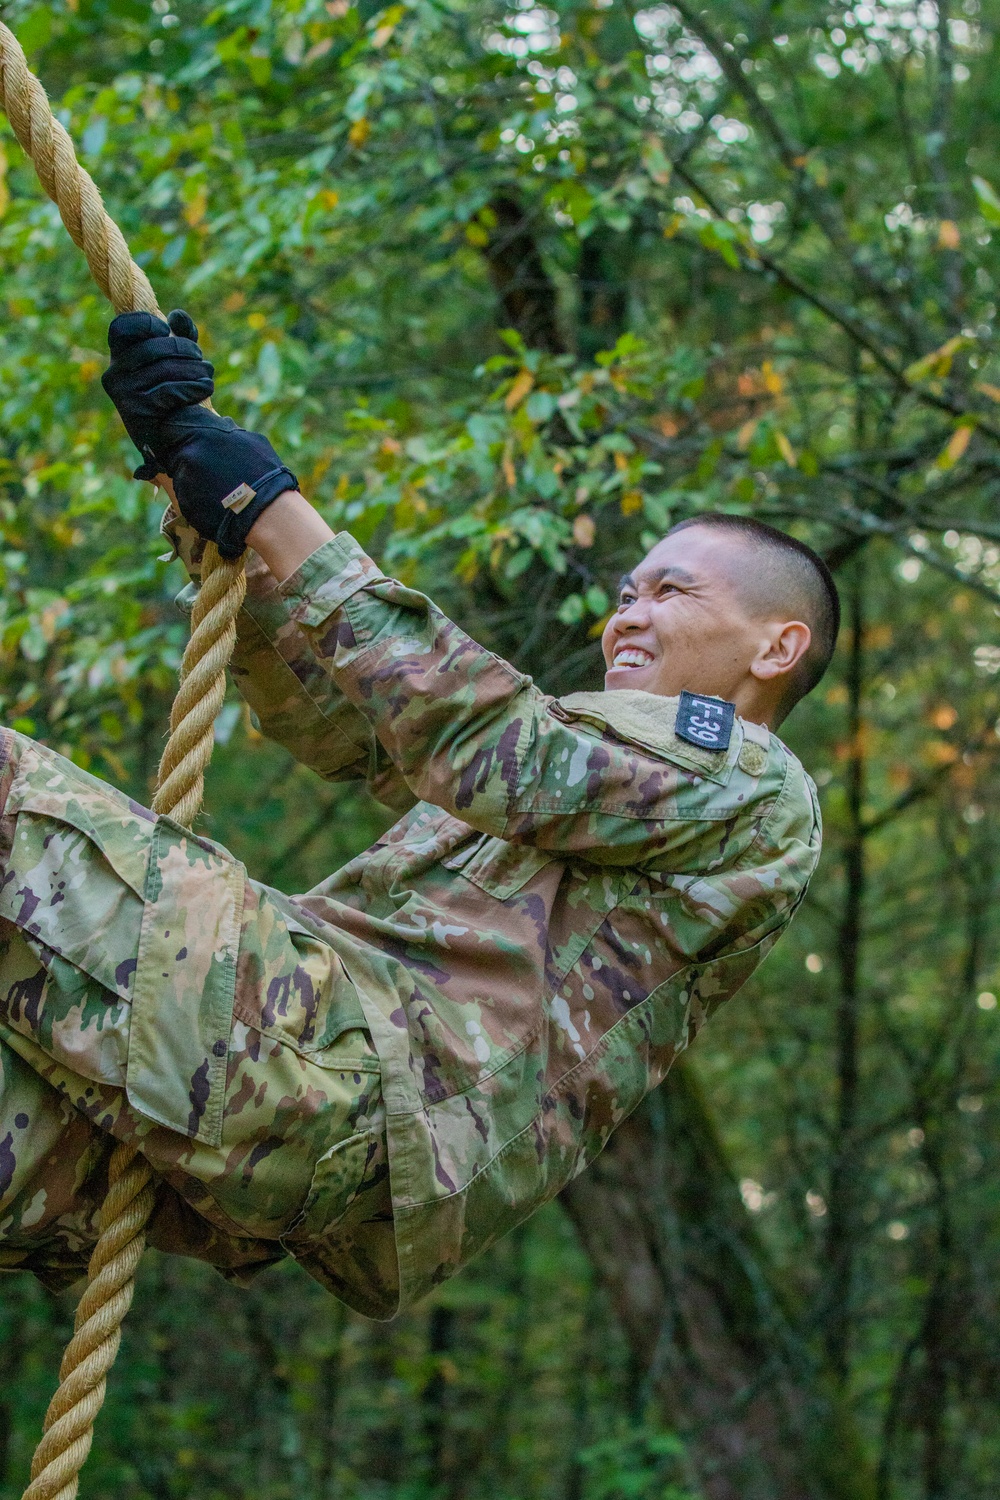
287	532
283	535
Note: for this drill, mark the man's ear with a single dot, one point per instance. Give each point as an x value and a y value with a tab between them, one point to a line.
781	652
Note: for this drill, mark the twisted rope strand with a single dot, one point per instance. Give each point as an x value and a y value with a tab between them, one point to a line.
181	777
69	1422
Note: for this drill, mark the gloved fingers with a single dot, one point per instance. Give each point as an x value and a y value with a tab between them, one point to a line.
175	395
149	351
193	420
134	327
182	323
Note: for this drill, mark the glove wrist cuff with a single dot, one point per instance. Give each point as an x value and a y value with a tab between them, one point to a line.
237	524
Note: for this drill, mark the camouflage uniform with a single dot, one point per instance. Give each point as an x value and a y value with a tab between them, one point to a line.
386	1074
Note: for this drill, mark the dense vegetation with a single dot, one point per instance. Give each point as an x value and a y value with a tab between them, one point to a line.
513	286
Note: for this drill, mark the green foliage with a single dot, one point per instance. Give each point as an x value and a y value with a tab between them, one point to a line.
638	1467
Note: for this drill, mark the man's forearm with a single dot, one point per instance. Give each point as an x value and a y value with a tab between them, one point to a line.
288	532
297	703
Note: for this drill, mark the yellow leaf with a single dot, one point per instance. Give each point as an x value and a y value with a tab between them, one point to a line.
476	235
954	447
597	629
194	211
938	362
786	450
49	619
317	50
949	237
745	435
773	382
381	35
522	385
88	369
584	531
940	752
65	534
359	131
329	198
631	502
234	301
256	321
993	391
319	468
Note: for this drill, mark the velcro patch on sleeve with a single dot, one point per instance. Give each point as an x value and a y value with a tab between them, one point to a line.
707	722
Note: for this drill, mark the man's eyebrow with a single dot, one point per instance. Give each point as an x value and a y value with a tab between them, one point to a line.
657	575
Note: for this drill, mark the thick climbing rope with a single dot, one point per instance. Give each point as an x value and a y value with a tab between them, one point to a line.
69	1422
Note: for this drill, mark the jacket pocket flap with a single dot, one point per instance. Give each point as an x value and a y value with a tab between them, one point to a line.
76	872
498	867
119	827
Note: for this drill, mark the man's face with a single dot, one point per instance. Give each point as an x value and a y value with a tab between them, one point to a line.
680	622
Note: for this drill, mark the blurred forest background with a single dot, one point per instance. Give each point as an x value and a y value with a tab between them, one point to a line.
513	286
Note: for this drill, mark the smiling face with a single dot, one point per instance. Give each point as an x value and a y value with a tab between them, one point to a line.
684	622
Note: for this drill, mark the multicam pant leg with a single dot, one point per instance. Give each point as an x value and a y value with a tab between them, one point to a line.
151	993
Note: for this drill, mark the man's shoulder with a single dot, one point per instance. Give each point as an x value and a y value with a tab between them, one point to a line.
750	769
715	745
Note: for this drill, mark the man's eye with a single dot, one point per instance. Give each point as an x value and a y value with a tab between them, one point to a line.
625	600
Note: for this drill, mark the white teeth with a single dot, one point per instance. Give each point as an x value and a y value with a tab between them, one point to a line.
632	656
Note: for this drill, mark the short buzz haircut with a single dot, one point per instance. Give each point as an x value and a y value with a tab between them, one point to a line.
793	574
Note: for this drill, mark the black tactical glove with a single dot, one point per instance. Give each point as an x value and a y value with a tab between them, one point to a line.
223	476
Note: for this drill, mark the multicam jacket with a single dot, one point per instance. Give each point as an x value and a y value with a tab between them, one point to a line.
573	893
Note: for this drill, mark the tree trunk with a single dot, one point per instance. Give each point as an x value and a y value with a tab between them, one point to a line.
717	1345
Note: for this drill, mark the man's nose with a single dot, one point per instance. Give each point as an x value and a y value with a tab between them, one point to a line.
634	616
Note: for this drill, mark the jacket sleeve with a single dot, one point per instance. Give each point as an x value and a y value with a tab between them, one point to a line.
294	701
477	738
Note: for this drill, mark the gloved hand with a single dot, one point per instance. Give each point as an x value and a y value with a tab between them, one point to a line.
223	475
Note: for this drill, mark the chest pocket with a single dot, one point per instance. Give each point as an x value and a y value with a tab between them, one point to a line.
590	894
76	874
496	867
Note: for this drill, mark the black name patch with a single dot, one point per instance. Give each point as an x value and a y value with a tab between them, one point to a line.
707	722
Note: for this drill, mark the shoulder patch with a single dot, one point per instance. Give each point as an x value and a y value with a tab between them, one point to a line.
707	722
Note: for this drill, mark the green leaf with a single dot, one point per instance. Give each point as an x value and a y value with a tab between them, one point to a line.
989	202
571	611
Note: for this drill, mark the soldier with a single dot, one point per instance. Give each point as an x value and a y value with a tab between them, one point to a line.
384	1075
